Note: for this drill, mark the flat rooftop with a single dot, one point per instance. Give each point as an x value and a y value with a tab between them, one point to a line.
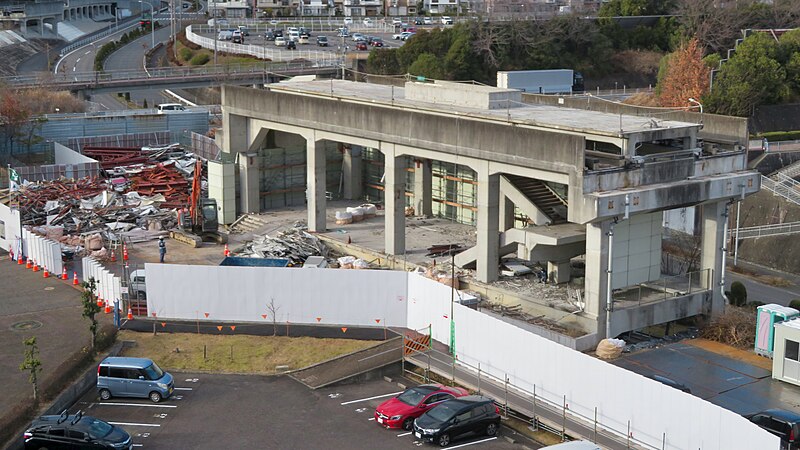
543	116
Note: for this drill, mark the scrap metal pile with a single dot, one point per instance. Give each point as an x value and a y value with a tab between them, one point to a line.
292	243
137	201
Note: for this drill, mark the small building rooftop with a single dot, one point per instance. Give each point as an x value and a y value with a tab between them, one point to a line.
542	116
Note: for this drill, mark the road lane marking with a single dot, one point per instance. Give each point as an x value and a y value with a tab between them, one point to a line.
136	404
77	61
183	389
128	424
87	52
404	434
372	398
371	418
473	443
73	69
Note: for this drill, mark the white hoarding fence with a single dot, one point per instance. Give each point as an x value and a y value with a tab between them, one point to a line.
107	284
45	252
10	230
224	293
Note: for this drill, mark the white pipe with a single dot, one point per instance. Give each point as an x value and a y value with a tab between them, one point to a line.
609	300
724	251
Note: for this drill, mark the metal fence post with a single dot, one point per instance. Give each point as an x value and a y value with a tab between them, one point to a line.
505	399
564	420
479	378
534	422
663	441
628	437
595	423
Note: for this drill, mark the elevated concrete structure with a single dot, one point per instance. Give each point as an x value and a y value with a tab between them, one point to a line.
610	175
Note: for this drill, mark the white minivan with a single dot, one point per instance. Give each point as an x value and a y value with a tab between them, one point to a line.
170	107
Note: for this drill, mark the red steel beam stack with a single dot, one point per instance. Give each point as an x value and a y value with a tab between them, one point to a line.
110	157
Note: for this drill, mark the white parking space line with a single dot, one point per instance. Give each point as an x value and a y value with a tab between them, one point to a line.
136	445
372	398
371	418
473	443
403	434
135	404
183	389
128	424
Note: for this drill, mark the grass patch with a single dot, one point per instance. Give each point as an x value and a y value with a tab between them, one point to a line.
193	57
250	354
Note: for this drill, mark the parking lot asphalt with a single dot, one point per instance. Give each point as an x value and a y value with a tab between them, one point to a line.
243	411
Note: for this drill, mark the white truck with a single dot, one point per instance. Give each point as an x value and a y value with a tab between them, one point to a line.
555	81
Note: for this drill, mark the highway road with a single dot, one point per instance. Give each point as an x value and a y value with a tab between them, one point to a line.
758	291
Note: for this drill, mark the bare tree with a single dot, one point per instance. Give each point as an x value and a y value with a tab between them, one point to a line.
273	313
716	25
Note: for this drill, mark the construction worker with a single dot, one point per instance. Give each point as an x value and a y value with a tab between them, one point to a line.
162	249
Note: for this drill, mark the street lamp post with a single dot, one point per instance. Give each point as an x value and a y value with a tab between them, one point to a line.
691	100
152	24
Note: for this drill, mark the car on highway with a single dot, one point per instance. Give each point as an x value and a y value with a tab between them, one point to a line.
343	32
454	418
348	21
361	45
367	22
399	36
322	41
447	20
784	424
397	22
376	42
400	411
427	21
408	36
280	41
418	21
225	35
245	31
237	37
357	37
75	431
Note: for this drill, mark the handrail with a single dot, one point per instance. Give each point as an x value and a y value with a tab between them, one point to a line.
784	186
778	229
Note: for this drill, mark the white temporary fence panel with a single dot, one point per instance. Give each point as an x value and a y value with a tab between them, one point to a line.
558	371
45	252
108	285
335	296
10	230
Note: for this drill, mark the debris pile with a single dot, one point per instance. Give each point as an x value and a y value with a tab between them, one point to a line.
137	201
294	244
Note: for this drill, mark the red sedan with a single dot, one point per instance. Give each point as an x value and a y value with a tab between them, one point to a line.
361	45
400	411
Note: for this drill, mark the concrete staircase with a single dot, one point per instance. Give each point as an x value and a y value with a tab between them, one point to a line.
547	201
69	32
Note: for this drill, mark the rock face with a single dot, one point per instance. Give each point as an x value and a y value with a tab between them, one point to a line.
778	252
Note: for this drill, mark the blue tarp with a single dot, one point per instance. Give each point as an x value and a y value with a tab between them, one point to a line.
254	262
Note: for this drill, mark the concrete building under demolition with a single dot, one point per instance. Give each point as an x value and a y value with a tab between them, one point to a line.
539	180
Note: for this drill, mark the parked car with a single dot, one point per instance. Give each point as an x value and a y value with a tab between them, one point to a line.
277	32
133	377
291	45
280	41
237	37
348	21
784	424
447	20
269	35
304	31
294	36
75	431
322	41
400	411
225	35
397	22
418	21
367	22
244	30
303	39
454	418
361	45
427	21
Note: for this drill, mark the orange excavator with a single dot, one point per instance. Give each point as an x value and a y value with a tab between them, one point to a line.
200	222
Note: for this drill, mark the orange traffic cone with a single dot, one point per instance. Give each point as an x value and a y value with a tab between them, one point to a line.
226	252
45	274
99	301
28	263
108	308
75	279
19	261
124	252
64	273
113	255
35	266
130	314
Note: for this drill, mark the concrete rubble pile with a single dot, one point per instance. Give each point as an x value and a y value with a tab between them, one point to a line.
138	201
292	243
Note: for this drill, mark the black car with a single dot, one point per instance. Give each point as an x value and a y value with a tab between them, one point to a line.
322	41
278	33
784	424
75	432
456	417
269	35
291	45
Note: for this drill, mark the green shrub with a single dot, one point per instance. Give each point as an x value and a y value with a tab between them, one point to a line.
144	104
795	304
186	53
774	136
199	59
738	295
127	96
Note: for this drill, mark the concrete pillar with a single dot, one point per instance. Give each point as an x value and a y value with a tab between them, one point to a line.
711	251
559	271
596	278
351	172
315	185
234	140
249	182
394	196
41	27
506	213
423	187
488	225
